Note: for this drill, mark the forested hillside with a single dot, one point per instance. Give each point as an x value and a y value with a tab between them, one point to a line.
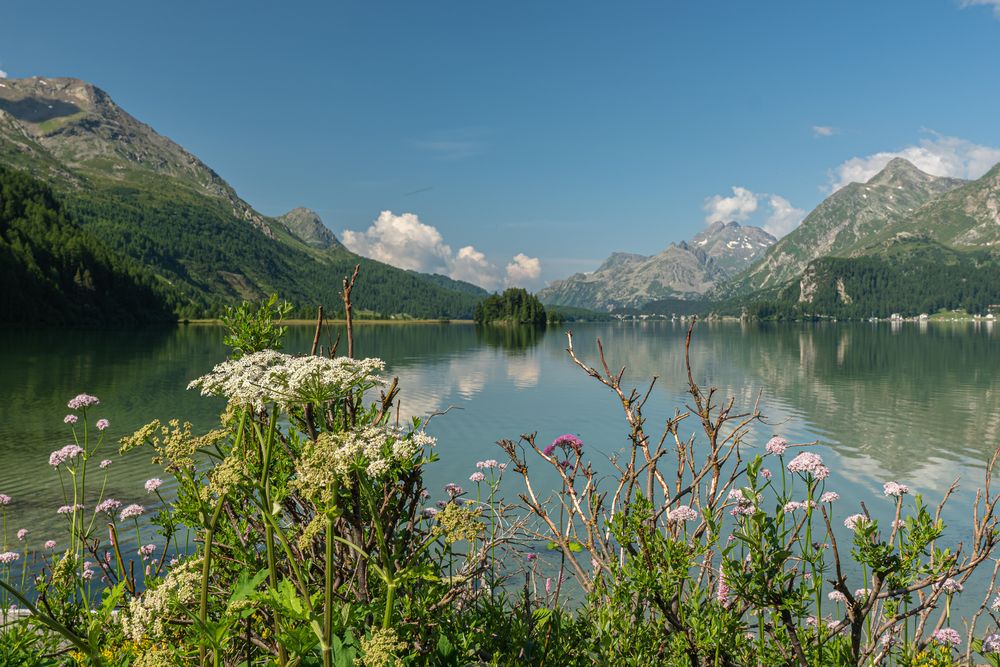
52	271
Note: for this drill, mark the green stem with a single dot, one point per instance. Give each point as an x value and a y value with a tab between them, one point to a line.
53	624
328	592
206	568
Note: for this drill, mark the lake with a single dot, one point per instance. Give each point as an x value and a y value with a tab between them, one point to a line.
915	403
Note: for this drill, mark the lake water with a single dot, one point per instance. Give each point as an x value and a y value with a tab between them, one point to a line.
915	403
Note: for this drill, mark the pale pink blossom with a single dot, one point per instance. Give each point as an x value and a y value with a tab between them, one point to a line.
682	514
153	484
82	401
8	557
947	636
991	643
50	544
810	464
70	419
4	499
69	509
776	445
895	489
477	477
766	474
855	521
566	442
67	453
21	534
105	463
131	512
102	424
147	550
949	586
829	497
108	505
837	596
487	464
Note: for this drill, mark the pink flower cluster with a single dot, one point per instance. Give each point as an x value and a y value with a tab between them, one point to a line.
67	453
810	464
947	636
745	505
131	512
793	505
147	551
105	463
81	401
682	514
8	557
153	484
69	509
102	424
108	505
991	643
453	490
776	445
477	477
50	544
70	419
4	499
566	442
895	489
21	534
837	596
829	497
855	521
949	586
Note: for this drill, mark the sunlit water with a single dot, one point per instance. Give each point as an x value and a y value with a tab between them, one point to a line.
915	403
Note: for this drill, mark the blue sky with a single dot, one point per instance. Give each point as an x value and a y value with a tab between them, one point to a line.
557	131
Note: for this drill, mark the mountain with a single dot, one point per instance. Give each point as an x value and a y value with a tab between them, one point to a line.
684	270
908	274
148	199
306	224
847	221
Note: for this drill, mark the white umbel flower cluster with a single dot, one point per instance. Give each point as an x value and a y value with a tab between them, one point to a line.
266	377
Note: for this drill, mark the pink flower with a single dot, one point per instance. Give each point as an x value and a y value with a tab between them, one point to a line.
808	463
9	557
82	401
21	534
131	512
566	442
453	490
722	591
776	445
477	477
855	521
147	551
947	636
949	586
105	463
531	557
70	419
4	499
489	464
548	584
67	453
50	544
102	424
681	514
894	489
837	596
153	484
829	497
991	643
108	505
793	505
429	512
766	474
69	509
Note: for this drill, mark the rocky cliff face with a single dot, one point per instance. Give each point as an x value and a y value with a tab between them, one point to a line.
685	270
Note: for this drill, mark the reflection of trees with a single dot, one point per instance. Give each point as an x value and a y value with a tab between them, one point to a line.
905	397
510	337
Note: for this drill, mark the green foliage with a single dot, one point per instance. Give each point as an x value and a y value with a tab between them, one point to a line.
55	272
255	329
515	305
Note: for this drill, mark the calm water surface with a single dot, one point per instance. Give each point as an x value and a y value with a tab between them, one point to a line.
920	405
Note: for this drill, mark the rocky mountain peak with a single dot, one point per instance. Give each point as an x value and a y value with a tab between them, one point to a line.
306	224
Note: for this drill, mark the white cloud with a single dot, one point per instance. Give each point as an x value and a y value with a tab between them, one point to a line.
783	218
995	4
406	242
523	270
825	130
739	207
940	156
3	74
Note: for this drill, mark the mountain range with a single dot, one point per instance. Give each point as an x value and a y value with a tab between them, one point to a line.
177	224
685	270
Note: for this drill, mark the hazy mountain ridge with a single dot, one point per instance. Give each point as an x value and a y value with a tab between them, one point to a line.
688	270
149	199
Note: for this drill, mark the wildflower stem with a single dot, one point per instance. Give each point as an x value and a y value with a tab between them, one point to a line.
328	593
